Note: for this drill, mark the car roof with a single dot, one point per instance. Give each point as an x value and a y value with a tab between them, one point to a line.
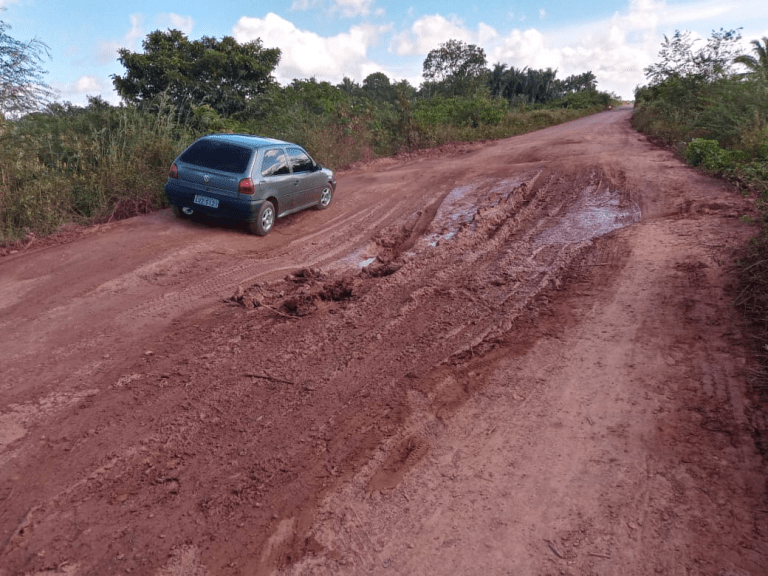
248	140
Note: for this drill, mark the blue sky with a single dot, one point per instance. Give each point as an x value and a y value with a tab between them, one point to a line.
330	39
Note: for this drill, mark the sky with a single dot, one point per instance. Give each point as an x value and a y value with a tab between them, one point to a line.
333	39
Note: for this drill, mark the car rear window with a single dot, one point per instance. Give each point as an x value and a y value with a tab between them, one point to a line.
216	155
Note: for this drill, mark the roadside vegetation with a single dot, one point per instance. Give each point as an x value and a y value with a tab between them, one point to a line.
710	103
61	163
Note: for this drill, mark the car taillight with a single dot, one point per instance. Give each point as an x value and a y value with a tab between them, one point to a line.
174	171
246	186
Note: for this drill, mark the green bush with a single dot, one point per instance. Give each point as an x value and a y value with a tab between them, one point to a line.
707	153
460	112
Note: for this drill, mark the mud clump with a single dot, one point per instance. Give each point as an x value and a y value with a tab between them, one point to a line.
381	269
298	294
305	276
338	291
300	305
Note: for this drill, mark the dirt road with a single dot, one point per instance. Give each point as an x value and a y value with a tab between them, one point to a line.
515	357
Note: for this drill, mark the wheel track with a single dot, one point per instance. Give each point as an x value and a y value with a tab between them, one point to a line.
409	297
228	278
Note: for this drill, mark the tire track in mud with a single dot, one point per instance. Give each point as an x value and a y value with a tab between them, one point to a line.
362	356
227	278
445	303
493	258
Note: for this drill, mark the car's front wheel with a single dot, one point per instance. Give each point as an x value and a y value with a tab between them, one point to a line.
264	221
325	197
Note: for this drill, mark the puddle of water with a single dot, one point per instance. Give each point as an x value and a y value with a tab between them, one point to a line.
456	210
453	212
356	259
594	215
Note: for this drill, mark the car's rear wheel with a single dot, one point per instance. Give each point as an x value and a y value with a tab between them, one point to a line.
264	221
325	197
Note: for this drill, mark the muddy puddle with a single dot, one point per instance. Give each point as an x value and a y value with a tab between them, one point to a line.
460	206
594	214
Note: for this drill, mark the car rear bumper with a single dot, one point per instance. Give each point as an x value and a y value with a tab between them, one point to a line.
229	207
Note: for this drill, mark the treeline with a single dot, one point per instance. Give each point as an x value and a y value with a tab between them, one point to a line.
710	103
66	163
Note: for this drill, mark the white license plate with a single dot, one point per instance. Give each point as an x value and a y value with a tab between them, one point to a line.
205	201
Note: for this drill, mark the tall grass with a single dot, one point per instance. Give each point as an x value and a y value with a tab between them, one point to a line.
84	166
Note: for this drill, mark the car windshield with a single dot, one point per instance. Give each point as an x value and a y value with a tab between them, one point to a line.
216	155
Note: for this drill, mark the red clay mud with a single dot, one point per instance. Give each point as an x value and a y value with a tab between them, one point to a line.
515	357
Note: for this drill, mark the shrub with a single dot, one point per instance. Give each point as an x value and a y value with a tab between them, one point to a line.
460	112
707	153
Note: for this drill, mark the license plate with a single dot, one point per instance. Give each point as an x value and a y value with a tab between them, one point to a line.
205	201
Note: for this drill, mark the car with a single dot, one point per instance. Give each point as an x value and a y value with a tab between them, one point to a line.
247	178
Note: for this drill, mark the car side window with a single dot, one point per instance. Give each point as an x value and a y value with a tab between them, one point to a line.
300	160
274	163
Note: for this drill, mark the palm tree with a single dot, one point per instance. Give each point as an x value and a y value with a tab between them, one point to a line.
496	79
758	66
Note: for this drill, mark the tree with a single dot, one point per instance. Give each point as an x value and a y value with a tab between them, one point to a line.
22	89
456	68
223	74
679	60
497	79
757	65
379	88
579	82
526	85
349	86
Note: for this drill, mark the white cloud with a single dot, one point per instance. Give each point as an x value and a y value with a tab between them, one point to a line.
542	14
306	54
352	8
136	32
87	85
106	50
615	49
428	32
300	5
347	8
78	91
184	23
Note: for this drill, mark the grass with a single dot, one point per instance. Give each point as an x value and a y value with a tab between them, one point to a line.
752	298
83	166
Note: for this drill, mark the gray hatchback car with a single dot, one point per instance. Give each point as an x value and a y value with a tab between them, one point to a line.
247	178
